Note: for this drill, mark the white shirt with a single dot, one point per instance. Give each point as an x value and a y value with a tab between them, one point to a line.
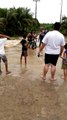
2	44
53	40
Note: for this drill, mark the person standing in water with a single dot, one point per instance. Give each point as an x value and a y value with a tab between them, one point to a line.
64	62
3	39
24	52
54	43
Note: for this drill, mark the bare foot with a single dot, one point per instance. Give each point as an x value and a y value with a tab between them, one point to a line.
65	78
53	79
8	72
0	72
43	78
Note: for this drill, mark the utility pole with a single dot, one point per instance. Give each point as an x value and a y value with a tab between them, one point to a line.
36	7
61	11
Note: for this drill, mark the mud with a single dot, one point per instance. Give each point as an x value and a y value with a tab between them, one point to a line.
23	94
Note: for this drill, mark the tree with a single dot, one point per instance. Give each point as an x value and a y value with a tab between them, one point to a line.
17	21
64	26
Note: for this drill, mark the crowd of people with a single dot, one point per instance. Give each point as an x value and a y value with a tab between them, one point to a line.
53	43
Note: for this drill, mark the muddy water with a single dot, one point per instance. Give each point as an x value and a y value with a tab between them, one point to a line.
23	94
33	62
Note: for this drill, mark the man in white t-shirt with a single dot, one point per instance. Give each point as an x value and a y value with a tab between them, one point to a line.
54	44
3	39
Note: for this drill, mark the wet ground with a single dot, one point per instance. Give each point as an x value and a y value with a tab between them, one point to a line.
23	94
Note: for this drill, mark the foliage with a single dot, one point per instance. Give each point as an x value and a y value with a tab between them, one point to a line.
47	26
16	22
64	26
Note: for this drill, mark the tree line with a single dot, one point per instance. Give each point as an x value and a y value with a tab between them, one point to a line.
63	28
15	22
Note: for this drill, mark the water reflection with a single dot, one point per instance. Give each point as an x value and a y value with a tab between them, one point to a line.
33	62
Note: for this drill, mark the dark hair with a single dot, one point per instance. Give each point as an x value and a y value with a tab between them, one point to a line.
57	26
24	36
65	46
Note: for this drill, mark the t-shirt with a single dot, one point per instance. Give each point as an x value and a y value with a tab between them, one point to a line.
41	36
53	40
2	44
24	46
64	61
66	54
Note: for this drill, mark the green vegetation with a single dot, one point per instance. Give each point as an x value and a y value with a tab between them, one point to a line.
16	22
64	26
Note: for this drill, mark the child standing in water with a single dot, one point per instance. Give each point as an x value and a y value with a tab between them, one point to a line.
3	39
64	62
24	50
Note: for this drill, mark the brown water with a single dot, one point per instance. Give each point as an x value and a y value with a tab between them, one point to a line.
23	94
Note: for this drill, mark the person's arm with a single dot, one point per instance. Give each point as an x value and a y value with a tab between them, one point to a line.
61	50
4	36
62	45
41	48
64	55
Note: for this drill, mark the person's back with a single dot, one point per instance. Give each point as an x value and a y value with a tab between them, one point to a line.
53	40
54	44
24	50
24	46
2	43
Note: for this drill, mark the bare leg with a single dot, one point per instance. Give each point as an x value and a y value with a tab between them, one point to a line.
6	67
64	74
21	60
25	61
45	70
0	68
53	71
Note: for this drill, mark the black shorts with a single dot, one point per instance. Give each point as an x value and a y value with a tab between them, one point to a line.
24	53
51	59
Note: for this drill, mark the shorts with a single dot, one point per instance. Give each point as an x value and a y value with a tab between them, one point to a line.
3	57
64	65
51	59
24	53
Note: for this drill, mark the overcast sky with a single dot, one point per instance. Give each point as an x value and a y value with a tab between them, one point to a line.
48	11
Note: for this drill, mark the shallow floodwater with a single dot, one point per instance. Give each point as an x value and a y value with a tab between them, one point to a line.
33	62
23	94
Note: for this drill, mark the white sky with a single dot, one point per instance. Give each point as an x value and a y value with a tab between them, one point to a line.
48	11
